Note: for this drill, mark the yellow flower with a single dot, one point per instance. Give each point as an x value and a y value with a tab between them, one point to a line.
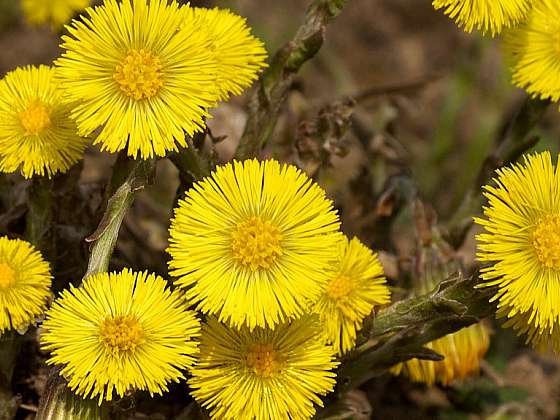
119	332
533	51
355	287
52	12
25	282
522	244
138	74
253	243
263	374
36	132
462	350
239	54
485	15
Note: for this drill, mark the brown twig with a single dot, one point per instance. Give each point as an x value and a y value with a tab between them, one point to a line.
273	86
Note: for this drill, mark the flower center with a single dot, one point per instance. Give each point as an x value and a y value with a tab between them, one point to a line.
35	118
546	241
256	244
122	333
340	287
263	359
139	75
7	276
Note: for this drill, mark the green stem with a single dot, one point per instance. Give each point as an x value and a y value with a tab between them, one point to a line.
401	331
61	404
9	349
39	214
274	84
129	176
192	165
105	237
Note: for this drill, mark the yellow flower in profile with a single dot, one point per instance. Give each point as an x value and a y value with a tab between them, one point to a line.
254	243
533	51
239	54
119	332
37	135
52	12
521	243
135	71
25	282
263	374
355	287
462	352
485	15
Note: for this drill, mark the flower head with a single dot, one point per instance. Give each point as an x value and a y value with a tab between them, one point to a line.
53	12
533	51
37	135
279	373
253	243
25	282
120	331
355	287
521	243
462	352
485	15
239	54
139	74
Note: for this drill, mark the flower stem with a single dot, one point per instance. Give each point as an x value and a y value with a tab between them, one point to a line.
135	175
129	176
274	84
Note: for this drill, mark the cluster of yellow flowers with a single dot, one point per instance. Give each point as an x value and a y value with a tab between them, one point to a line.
256	249
140	74
530	31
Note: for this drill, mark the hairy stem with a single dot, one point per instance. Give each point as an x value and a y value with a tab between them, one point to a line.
129	176
105	237
39	214
273	86
400	332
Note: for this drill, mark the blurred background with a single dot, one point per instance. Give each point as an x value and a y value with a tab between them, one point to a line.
428	104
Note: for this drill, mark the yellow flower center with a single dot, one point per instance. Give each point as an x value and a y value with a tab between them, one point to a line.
139	75
7	276
35	118
546	241
340	287
256	243
263	359
122	333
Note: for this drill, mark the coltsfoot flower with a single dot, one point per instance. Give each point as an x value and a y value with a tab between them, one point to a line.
356	286
485	15
138	74
52	12
119	332
533	51
462	352
239	54
254	243
25	282
521	245
263	374
37	135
